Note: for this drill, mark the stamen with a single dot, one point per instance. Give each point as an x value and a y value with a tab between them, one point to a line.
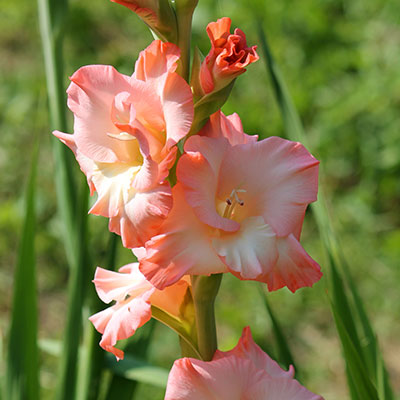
231	202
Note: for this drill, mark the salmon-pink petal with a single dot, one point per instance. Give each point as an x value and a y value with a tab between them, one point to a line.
280	178
112	285
156	60
249	252
206	79
141	215
229	378
170	299
280	389
177	102
247	348
294	267
183	247
244	373
121	321
145	9
198	171
219	29
86	164
90	97
229	127
147	104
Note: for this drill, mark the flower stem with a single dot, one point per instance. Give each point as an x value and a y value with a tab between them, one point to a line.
184	12
205	290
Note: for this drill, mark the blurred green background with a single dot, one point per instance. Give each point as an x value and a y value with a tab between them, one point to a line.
341	62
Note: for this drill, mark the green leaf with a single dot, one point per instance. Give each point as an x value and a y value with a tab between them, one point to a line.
353	318
355	365
122	387
134	368
284	354
22	376
207	105
195	75
73	210
91	363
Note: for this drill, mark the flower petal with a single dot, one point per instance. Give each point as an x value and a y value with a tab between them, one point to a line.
198	171
177	102
249	252
182	247
229	127
280	389
247	348
280	178
141	215
121	321
90	97
294	267
229	378
156	60
170	299
112	285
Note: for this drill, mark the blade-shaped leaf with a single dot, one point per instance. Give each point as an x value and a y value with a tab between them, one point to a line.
92	358
22	376
134	368
341	305
283	350
124	387
73	210
357	369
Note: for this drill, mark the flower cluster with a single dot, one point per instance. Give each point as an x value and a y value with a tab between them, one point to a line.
225	202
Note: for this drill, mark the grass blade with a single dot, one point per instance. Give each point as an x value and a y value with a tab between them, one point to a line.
357	370
284	354
52	39
22	376
341	306
76	285
134	368
127	376
92	360
73	210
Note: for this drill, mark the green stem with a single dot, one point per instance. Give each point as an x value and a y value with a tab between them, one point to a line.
184	13
182	331
205	290
186	349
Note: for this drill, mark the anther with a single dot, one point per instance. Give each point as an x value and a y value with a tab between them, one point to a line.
229	202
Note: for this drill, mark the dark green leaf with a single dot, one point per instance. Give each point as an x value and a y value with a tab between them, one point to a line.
22	377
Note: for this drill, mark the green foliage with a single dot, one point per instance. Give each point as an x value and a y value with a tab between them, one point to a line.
358	359
285	357
22	380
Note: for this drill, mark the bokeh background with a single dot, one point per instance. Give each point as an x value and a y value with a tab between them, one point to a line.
341	62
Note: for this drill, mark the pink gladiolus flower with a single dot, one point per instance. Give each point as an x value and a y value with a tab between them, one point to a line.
125	131
228	58
238	206
134	296
244	373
